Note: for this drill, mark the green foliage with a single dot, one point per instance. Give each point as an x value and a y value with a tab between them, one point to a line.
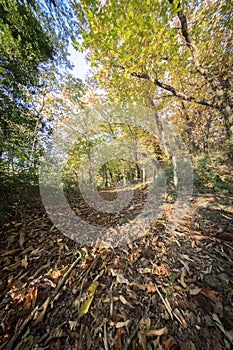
33	34
213	173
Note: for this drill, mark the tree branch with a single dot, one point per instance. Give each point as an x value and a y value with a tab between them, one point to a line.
181	95
172	90
189	41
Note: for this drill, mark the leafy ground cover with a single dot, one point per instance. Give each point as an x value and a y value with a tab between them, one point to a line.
162	291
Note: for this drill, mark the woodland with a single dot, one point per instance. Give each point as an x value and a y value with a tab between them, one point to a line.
141	152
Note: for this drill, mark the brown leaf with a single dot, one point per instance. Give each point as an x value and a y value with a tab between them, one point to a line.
119	277
187	346
157	332
12	266
122	324
9	252
39	315
194	291
210	294
225	236
27	302
124	301
180	318
21	238
118	337
167	344
144	324
162	269
142	340
200	237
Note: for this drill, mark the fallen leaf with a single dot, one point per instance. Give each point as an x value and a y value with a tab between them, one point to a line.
145	270
122	324
119	277
124	301
87	303
167	344
9	252
225	236
22	237
180	317
210	294
162	269
144	324
39	315
187	346
29	298
12	266
194	291
200	237
157	332
227	334
183	274
72	325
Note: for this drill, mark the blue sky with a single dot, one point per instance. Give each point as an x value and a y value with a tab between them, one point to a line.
78	60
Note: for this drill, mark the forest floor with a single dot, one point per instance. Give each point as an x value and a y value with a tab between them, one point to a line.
161	291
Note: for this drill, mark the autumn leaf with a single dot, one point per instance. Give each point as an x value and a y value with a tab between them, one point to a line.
87	303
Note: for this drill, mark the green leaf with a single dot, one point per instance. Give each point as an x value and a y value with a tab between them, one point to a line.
86	304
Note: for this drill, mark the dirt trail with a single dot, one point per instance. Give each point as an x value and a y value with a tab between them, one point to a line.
162	291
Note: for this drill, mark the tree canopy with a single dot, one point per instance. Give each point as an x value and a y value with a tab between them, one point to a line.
178	52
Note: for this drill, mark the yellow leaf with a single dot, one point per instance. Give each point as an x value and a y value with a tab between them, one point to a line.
87	303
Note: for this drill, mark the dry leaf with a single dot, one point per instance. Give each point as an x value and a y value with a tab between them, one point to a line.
122	324
194	291
162	269
28	299
145	270
157	332
167	344
187	346
72	324
119	277
124	301
183	274
180	317
227	334
209	293
144	324
22	238
118	338
225	236
200	237
39	315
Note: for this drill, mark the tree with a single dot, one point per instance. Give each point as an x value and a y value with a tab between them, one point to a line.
169	45
33	35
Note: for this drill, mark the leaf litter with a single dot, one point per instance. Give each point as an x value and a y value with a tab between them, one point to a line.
164	291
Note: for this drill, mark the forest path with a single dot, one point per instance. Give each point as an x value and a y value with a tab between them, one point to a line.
162	291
